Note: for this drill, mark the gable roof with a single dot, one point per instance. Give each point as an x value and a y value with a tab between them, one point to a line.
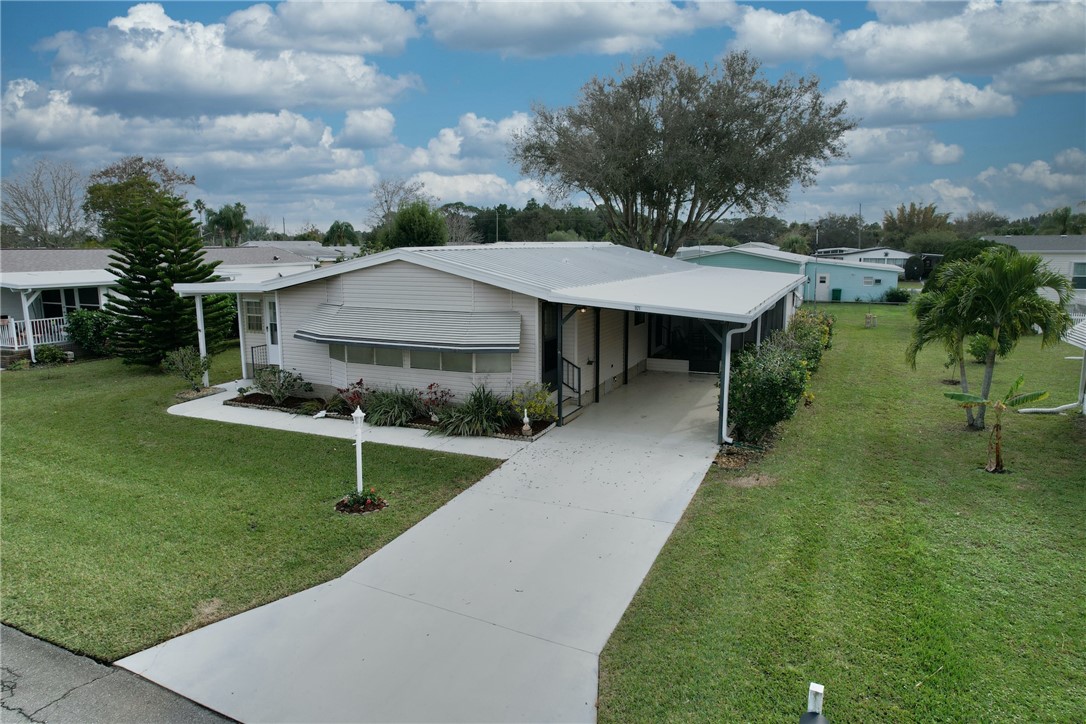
591	273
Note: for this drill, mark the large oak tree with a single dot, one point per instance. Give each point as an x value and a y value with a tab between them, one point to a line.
666	150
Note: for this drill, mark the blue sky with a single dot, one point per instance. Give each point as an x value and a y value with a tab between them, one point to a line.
298	109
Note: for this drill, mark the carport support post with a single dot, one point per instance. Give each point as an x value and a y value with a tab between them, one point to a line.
241	335
626	348
596	392
201	338
561	378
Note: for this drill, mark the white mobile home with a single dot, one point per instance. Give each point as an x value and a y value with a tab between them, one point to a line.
582	317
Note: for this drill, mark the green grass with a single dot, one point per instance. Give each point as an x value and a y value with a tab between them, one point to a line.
881	562
123	526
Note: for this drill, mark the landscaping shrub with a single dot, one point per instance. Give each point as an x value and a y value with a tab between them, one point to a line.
91	330
279	384
536	399
978	348
810	333
187	364
897	295
436	399
397	406
767	385
484	412
312	407
48	354
18	364
349	398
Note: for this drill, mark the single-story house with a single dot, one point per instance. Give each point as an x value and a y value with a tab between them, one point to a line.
40	287
314	250
582	317
827	279
1064	254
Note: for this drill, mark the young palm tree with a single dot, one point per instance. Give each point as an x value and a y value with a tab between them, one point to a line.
1001	294
1012	399
938	320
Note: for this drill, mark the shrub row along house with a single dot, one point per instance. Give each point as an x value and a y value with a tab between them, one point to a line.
826	279
582	317
39	288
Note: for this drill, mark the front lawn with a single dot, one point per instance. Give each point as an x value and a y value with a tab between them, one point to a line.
123	526
875	557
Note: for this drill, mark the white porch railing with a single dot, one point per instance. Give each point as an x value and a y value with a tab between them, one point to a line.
46	331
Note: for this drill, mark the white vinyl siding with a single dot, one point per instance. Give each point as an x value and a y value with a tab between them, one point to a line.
403	285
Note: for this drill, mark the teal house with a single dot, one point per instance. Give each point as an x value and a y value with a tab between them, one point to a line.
827	279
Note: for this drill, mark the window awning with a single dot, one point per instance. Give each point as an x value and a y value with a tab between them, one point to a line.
413	328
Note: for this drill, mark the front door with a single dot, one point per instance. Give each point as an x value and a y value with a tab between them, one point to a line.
272	318
549	344
822	288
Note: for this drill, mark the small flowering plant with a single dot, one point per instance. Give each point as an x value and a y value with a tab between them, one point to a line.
366	501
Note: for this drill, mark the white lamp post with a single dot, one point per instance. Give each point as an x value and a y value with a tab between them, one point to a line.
358	416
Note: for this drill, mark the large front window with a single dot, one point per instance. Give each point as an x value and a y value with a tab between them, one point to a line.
1078	275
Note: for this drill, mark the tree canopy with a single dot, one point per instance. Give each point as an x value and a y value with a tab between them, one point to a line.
229	223
129	182
667	150
43	204
340	233
158	246
416	224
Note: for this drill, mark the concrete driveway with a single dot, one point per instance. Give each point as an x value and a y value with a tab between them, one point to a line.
495	607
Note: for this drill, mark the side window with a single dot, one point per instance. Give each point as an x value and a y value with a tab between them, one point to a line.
254	317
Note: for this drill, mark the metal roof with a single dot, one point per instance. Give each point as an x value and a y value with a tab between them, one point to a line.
70	268
1043	242
1077	335
695	252
596	273
414	329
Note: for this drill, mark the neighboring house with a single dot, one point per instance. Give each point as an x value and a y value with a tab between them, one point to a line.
580	316
827	279
314	250
874	255
40	287
1063	254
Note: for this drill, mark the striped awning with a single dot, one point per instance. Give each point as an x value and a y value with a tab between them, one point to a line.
414	328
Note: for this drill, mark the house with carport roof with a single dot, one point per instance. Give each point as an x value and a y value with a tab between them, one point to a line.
826	279
581	317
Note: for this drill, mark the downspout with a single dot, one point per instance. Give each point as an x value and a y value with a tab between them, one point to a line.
201	337
725	382
28	326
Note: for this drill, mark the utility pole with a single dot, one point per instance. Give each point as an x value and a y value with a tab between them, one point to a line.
860	226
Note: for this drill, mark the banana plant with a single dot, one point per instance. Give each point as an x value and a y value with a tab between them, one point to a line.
1012	399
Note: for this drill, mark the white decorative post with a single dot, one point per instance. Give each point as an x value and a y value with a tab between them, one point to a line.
358	416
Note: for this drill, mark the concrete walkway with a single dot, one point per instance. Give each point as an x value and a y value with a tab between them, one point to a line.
495	607
211	408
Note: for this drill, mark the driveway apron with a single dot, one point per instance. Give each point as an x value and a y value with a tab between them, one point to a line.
492	609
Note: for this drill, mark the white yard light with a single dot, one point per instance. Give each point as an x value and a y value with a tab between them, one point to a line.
359	417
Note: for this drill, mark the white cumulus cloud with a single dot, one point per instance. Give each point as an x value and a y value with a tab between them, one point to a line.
367	128
1042	76
147	63
478	189
918	101
472	145
323	27
775	37
535	29
984	38
941	154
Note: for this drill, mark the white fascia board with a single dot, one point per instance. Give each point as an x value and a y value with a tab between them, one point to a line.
227	287
68	279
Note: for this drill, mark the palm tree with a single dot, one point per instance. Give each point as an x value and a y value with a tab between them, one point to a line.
1001	295
938	320
1012	399
230	222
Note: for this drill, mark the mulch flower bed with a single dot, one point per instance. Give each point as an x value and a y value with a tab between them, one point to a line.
369	506
189	395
